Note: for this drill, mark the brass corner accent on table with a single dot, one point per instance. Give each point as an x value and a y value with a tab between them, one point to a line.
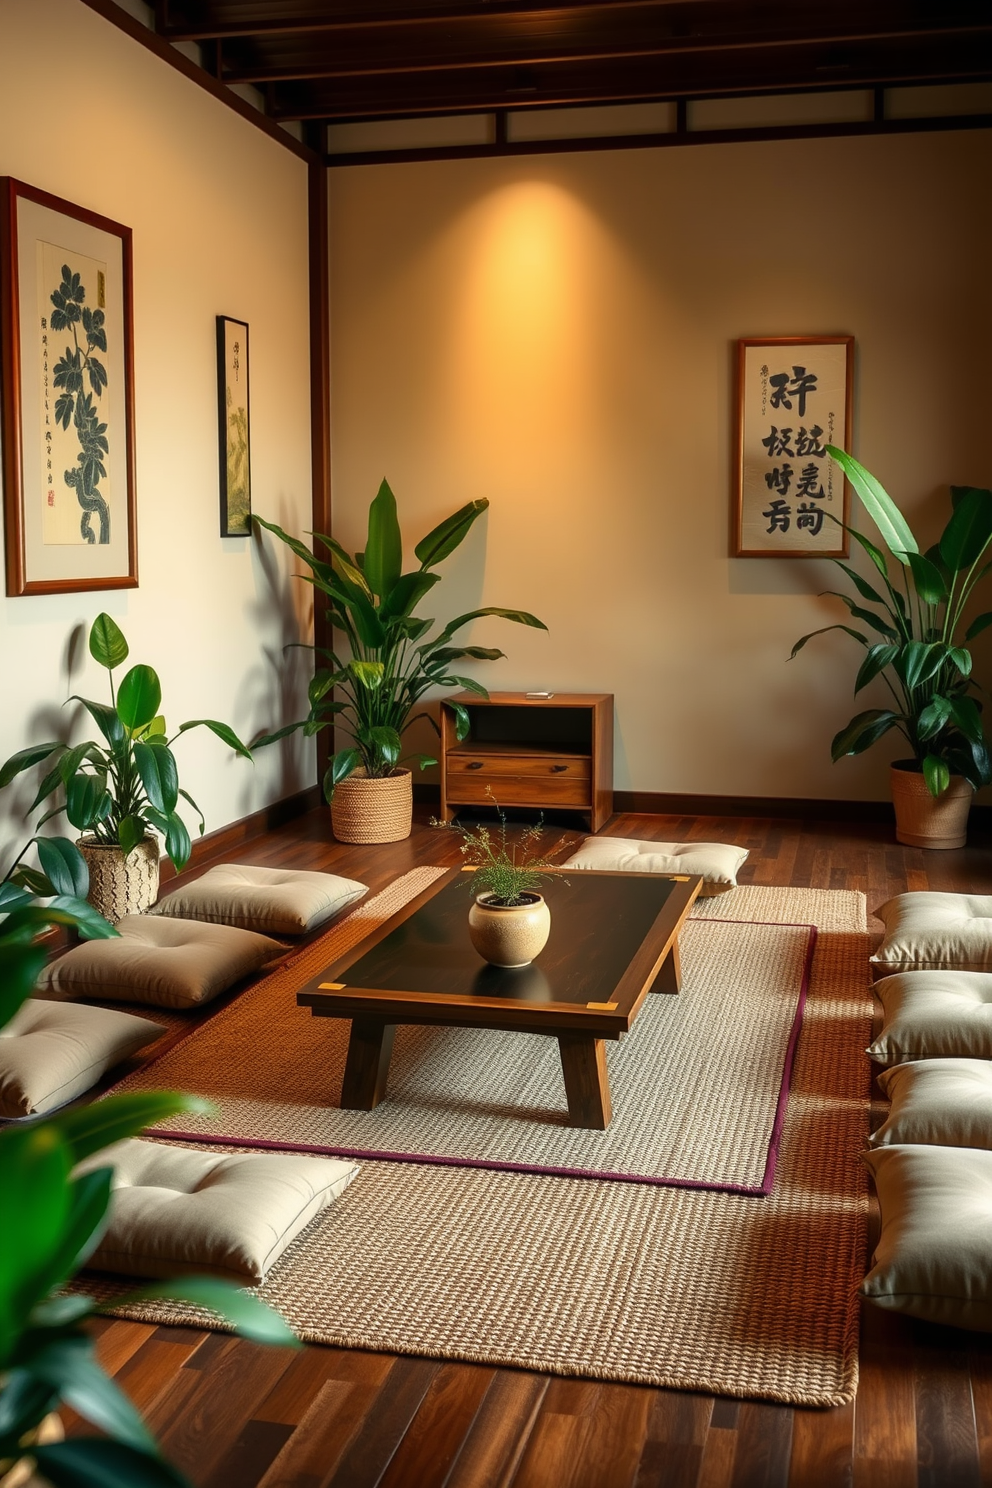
549	753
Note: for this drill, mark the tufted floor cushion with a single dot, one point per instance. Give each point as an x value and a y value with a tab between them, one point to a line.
166	963
176	1211
50	1052
934	1015
275	901
942	1102
925	931
933	1258
716	863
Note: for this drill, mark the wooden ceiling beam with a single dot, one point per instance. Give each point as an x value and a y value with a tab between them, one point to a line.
382	64
639	79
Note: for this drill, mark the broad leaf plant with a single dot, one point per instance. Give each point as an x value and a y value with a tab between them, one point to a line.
392	659
122	788
914	634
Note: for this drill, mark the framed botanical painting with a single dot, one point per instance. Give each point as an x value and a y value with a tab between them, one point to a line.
235	444
66	359
794	397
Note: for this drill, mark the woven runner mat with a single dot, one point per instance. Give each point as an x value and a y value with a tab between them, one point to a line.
677	1287
469	1096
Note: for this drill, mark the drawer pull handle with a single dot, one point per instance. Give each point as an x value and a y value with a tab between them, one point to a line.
475	765
558	769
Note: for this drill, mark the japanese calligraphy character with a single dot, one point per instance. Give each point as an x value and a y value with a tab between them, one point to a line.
805	485
779	479
777	443
809	516
808	443
799	386
778	514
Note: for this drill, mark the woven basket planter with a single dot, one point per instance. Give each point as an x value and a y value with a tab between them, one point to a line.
923	820
364	810
121	886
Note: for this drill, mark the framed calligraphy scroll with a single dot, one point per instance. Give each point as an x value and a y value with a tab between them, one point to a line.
794	397
66	358
232	407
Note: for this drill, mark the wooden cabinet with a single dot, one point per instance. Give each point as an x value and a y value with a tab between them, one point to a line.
547	753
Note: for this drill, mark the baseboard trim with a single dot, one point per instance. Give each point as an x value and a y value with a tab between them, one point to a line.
236	833
783	808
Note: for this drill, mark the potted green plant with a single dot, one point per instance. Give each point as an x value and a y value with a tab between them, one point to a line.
509	921
391	662
915	638
54	1221
118	793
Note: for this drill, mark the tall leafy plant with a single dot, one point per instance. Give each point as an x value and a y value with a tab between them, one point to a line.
392	660
120	789
54	1219
914	634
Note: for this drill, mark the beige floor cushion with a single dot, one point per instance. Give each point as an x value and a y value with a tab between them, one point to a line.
934	1015
929	930
716	863
940	1102
275	901
178	1211
50	1052
934	1255
166	963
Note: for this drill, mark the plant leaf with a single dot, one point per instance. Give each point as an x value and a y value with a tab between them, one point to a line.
223	732
520	617
106	719
64	866
980	623
67	910
937	774
968	531
929	581
384	549
463	720
341	766
24	759
159	775
889	520
965	713
855	634
407	593
932	718
107	643
446	536
877	659
862	732
34	1171
87	801
138	697
95	1462
88	1129
252	1318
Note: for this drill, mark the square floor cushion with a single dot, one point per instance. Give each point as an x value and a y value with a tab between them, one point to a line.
934	1257
940	1102
275	901
931	931
716	863
166	963
934	1015
50	1052
176	1211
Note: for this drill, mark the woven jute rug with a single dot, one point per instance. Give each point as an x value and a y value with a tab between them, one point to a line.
688	1288
699	1087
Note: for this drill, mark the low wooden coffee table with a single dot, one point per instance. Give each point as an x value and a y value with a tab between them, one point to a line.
614	939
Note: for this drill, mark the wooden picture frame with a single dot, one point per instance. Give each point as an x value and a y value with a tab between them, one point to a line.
794	396
66	363
234	428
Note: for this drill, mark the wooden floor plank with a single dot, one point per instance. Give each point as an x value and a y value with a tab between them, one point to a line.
495	1442
431	1444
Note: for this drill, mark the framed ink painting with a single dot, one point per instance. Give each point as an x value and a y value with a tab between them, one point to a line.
235	444
794	397
66	358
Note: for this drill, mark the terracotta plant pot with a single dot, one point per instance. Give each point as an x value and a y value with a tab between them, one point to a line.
364	810
509	934
923	820
121	886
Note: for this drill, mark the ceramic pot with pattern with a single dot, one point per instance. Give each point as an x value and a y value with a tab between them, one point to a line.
509	934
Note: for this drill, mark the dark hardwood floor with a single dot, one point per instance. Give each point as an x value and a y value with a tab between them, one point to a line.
232	1414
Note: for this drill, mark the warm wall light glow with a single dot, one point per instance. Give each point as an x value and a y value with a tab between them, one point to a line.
522	336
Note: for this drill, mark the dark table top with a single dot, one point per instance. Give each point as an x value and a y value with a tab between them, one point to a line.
609	934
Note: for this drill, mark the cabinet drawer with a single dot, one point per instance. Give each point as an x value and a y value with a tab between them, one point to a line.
517	790
532	766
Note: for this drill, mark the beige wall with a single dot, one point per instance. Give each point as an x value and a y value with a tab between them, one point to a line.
219	215
555	333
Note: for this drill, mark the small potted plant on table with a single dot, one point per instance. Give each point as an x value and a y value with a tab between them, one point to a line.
509	921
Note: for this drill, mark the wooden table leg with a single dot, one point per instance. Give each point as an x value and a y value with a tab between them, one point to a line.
669	978
367	1066
587	1084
